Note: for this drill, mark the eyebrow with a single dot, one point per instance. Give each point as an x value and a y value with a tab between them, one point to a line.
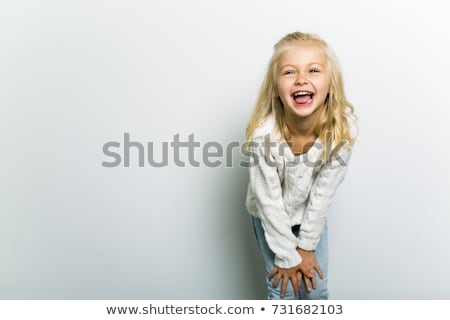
310	64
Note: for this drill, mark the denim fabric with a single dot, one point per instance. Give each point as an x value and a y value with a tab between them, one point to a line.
321	252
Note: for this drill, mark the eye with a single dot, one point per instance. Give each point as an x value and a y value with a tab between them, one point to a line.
288	72
314	70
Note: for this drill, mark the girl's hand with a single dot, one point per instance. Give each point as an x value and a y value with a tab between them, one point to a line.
307	267
292	274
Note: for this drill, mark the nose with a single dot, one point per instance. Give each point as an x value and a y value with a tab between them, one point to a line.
301	79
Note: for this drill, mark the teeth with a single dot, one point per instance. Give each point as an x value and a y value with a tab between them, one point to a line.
302	93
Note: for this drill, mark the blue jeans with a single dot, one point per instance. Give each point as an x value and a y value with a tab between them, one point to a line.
321	253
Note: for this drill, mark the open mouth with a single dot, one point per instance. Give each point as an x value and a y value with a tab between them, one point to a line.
303	97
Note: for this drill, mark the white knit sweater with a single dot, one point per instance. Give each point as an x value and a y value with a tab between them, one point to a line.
286	190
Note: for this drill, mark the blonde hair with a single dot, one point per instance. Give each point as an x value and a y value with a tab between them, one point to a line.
333	126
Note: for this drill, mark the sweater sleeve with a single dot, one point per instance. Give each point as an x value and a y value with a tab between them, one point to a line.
266	187
322	192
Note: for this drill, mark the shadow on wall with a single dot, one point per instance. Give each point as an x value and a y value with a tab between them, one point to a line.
247	266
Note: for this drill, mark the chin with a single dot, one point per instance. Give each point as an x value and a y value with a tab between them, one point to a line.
304	111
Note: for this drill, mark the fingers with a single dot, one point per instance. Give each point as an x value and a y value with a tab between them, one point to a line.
295	280
284	286
286	275
299	281
307	270
319	271
314	282
310	280
278	277
308	283
273	273
284	283
299	276
296	284
277	280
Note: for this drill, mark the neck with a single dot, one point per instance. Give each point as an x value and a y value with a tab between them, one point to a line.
302	127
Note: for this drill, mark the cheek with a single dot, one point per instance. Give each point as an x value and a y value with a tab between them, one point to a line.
283	87
283	92
325	86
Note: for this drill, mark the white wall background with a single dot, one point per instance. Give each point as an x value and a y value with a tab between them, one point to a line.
77	74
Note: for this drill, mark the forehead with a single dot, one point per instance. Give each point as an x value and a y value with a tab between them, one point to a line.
303	54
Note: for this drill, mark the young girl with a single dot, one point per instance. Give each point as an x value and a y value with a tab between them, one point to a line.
300	137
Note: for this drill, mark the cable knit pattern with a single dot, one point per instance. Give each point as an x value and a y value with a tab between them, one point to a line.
286	190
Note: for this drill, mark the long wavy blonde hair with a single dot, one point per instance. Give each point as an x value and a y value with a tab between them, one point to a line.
333	126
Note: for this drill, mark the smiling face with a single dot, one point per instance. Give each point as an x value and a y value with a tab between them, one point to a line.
303	81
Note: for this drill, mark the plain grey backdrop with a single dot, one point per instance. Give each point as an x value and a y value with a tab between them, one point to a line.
75	75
